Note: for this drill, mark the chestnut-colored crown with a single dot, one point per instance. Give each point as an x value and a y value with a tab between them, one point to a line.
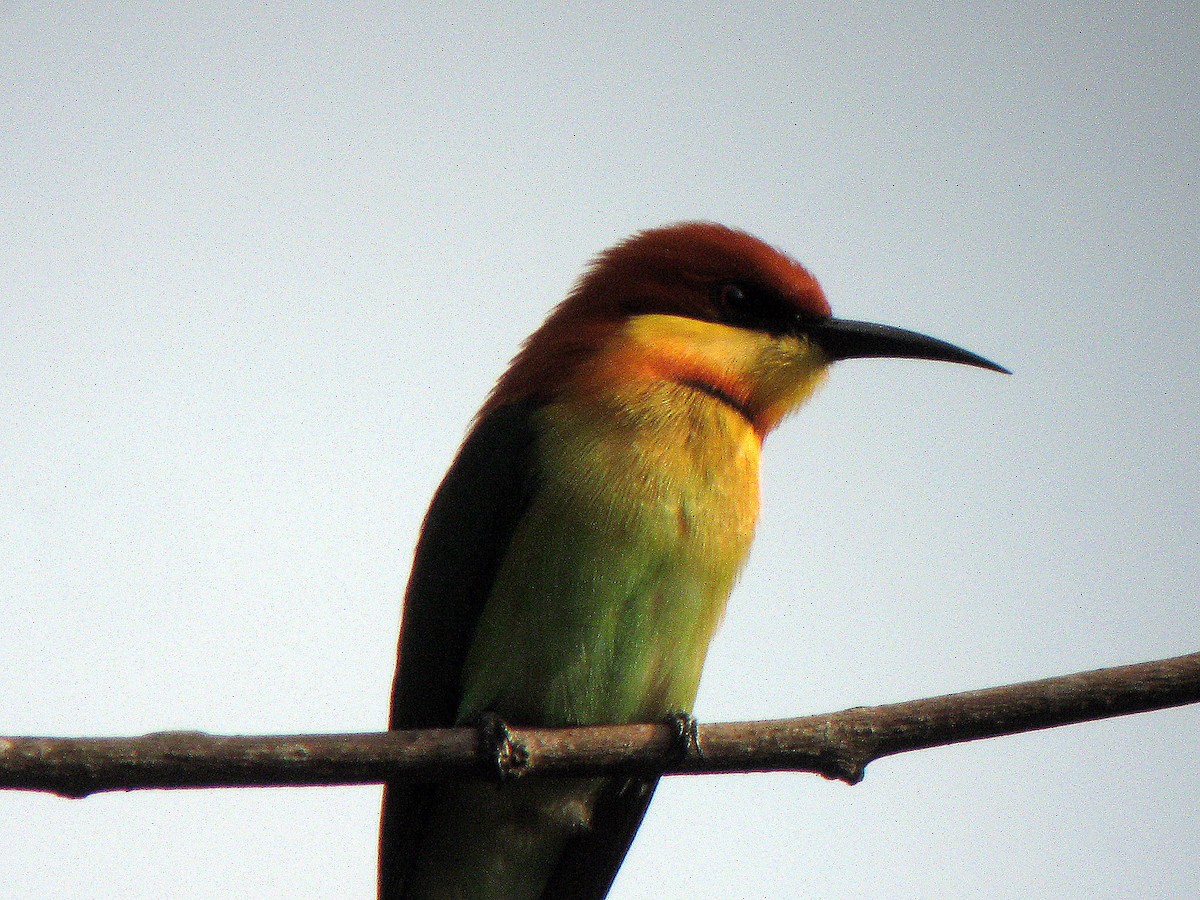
684	270
677	270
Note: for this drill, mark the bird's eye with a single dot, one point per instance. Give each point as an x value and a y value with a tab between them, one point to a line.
733	296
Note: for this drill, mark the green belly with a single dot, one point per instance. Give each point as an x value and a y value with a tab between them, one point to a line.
618	574
602	611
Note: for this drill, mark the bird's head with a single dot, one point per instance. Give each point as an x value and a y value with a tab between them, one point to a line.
711	308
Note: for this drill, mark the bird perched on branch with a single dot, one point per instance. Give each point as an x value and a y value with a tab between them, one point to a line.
576	559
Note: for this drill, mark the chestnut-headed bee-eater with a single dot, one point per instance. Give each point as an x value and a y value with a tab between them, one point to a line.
576	559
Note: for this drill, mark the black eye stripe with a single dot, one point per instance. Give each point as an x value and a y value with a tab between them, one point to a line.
747	305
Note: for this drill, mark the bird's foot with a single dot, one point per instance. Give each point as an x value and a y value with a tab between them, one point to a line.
507	756
686	734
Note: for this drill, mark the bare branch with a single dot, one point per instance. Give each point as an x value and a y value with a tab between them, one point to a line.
837	746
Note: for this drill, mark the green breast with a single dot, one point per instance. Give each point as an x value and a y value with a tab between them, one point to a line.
617	575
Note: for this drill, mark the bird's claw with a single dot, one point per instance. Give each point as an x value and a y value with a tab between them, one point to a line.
685	733
507	756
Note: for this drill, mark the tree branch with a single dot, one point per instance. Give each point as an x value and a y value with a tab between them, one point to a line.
839	745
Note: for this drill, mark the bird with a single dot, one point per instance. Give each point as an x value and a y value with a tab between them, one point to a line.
575	561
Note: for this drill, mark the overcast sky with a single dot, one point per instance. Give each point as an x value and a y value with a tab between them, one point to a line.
261	263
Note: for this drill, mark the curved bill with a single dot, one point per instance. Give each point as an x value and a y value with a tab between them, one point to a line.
844	339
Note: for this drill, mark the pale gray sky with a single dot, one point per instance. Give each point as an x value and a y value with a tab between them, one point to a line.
260	265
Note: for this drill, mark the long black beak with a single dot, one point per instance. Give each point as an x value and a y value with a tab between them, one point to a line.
844	339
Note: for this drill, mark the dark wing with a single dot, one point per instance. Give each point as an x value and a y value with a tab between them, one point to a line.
465	535
464	538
